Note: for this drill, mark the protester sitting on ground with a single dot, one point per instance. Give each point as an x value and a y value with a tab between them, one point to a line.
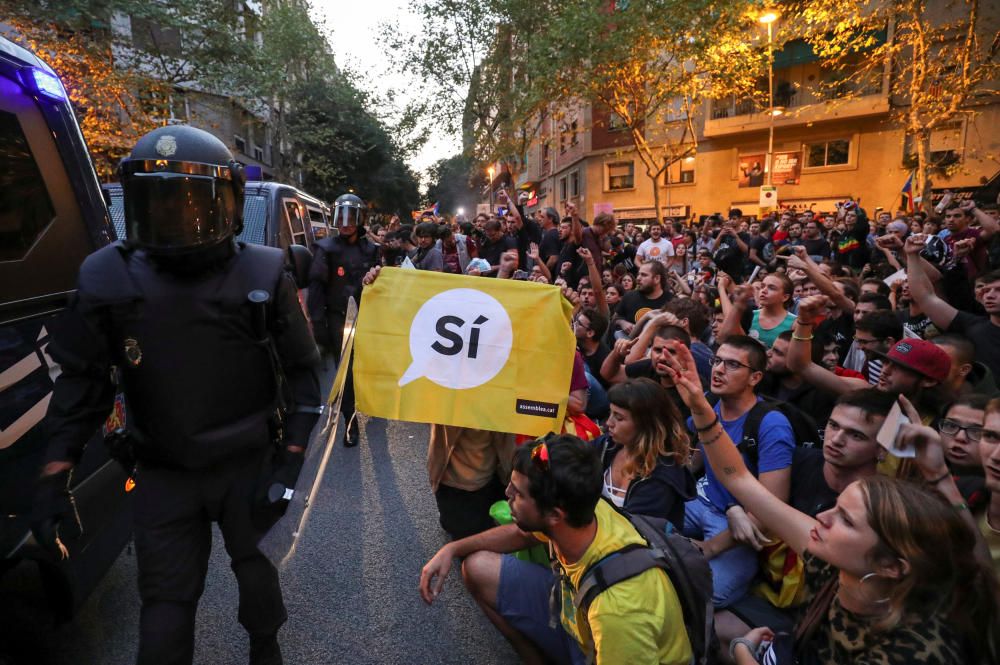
781	383
961	430
983	331
738	367
589	326
645	452
616	370
555	498
771	319
850	452
860	359
891	570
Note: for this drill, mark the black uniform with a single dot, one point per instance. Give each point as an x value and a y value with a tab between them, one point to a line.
335	276
200	333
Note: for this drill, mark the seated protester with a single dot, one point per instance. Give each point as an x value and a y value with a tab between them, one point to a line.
616	369
773	297
692	316
649	294
915	321
645	452
850	452
984	331
890	570
826	354
989	453
856	357
961	430
427	256
738	366
967	376
783	384
555	498
589	326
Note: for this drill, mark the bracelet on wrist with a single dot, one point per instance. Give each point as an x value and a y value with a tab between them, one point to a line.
803	339
803	323
708	442
751	647
960	506
709	426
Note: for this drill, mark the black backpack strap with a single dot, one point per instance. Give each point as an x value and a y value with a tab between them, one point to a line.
749	445
612	569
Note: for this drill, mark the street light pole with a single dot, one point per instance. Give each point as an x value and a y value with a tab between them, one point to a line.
769	19
490	171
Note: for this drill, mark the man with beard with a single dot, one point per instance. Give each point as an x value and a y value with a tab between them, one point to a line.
783	384
657	248
616	370
589	326
554	496
648	294
983	331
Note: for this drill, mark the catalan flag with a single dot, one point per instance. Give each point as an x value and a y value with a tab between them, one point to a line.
907	193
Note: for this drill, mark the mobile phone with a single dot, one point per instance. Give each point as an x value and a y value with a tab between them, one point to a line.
521	274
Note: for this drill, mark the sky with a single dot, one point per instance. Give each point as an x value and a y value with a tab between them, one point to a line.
353	30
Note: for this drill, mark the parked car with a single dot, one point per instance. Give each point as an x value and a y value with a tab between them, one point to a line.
52	215
274	214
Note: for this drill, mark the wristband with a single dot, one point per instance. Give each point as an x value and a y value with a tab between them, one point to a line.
709	426
803	339
715	438
751	647
803	323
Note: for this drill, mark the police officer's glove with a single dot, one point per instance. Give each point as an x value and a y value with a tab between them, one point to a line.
273	499
54	517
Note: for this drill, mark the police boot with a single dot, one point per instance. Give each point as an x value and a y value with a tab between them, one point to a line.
264	650
353	434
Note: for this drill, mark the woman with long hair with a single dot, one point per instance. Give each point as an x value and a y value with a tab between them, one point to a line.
627	282
891	569
645	452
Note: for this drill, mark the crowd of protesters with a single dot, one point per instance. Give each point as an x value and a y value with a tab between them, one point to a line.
741	371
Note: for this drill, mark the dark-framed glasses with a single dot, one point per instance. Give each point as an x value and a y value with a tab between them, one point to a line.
952	428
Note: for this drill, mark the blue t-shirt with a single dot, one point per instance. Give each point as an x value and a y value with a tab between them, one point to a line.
775	448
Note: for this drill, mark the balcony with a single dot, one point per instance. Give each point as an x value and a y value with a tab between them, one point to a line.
803	101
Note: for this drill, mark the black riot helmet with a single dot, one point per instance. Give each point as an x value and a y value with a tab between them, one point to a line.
349	210
183	191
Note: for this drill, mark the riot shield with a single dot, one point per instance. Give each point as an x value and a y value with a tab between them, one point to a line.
279	543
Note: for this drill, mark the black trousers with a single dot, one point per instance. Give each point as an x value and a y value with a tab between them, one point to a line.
174	511
465	513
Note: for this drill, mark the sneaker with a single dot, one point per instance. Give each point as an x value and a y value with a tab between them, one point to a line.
353	434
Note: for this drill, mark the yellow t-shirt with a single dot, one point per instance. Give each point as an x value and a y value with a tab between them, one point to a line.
636	621
992	540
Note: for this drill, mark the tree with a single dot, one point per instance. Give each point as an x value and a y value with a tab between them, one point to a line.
944	59
649	64
453	183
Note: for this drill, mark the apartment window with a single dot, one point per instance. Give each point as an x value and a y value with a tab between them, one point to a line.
545	158
621	175
828	153
945	146
258	153
562	189
616	123
563	141
177	107
680	172
240	143
574	183
573	140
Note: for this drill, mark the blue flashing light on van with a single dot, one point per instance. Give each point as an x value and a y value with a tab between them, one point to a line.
44	83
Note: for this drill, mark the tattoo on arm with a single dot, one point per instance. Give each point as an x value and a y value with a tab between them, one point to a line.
729	470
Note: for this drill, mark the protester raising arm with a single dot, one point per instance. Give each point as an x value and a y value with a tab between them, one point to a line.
801	261
735	300
613	368
595	280
799	356
921	289
774	514
534	255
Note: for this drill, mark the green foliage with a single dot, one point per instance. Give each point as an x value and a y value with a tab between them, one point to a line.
455	182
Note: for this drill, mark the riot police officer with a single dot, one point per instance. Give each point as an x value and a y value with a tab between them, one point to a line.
337	269
220	374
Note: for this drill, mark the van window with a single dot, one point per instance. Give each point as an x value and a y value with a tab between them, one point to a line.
295	222
318	223
254	220
25	207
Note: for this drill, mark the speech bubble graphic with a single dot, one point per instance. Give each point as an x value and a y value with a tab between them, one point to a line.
459	339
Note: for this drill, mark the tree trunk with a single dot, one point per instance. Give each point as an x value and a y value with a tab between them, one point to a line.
921	177
654	178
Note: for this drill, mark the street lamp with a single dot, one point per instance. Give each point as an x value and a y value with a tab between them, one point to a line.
461	211
768	18
490	171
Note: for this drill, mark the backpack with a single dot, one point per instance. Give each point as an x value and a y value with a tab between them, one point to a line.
685	566
804	428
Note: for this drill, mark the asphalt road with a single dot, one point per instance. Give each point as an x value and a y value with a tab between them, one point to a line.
350	587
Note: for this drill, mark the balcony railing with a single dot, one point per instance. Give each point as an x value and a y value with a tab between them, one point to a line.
791	97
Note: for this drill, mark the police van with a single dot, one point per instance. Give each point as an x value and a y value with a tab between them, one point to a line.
274	214
52	215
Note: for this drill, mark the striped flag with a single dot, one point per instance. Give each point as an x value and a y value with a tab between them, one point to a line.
907	193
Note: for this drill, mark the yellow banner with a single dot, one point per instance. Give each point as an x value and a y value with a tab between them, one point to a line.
490	354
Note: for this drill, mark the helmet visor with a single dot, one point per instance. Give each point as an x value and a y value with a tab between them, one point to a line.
173	212
347	216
